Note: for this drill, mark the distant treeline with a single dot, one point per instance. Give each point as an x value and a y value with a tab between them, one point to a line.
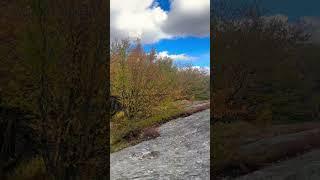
264	66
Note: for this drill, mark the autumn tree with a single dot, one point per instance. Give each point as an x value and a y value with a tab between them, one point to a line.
141	80
64	52
255	57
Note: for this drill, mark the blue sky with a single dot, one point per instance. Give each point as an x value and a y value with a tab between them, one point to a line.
197	47
193	46
178	29
164	4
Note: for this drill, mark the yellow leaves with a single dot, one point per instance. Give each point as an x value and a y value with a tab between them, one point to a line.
138	80
142	81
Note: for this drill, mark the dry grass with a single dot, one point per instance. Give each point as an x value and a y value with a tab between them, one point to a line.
126	132
33	169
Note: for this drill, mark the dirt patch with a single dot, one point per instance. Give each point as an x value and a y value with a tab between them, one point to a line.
153	132
150	133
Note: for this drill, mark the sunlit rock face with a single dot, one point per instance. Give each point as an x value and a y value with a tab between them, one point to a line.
182	151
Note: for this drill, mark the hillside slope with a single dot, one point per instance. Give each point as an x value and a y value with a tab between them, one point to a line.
181	152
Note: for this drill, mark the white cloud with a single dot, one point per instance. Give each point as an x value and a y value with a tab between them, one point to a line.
136	19
144	19
204	69
164	54
188	17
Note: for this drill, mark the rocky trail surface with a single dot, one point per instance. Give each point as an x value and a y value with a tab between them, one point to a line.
304	167
292	155
182	151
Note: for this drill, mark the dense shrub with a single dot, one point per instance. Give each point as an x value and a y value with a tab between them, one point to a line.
142	81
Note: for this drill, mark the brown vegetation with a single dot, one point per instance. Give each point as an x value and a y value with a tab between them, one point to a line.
143	81
149	90
55	69
264	75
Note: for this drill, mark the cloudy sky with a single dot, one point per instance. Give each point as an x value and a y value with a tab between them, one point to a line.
292	10
176	28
